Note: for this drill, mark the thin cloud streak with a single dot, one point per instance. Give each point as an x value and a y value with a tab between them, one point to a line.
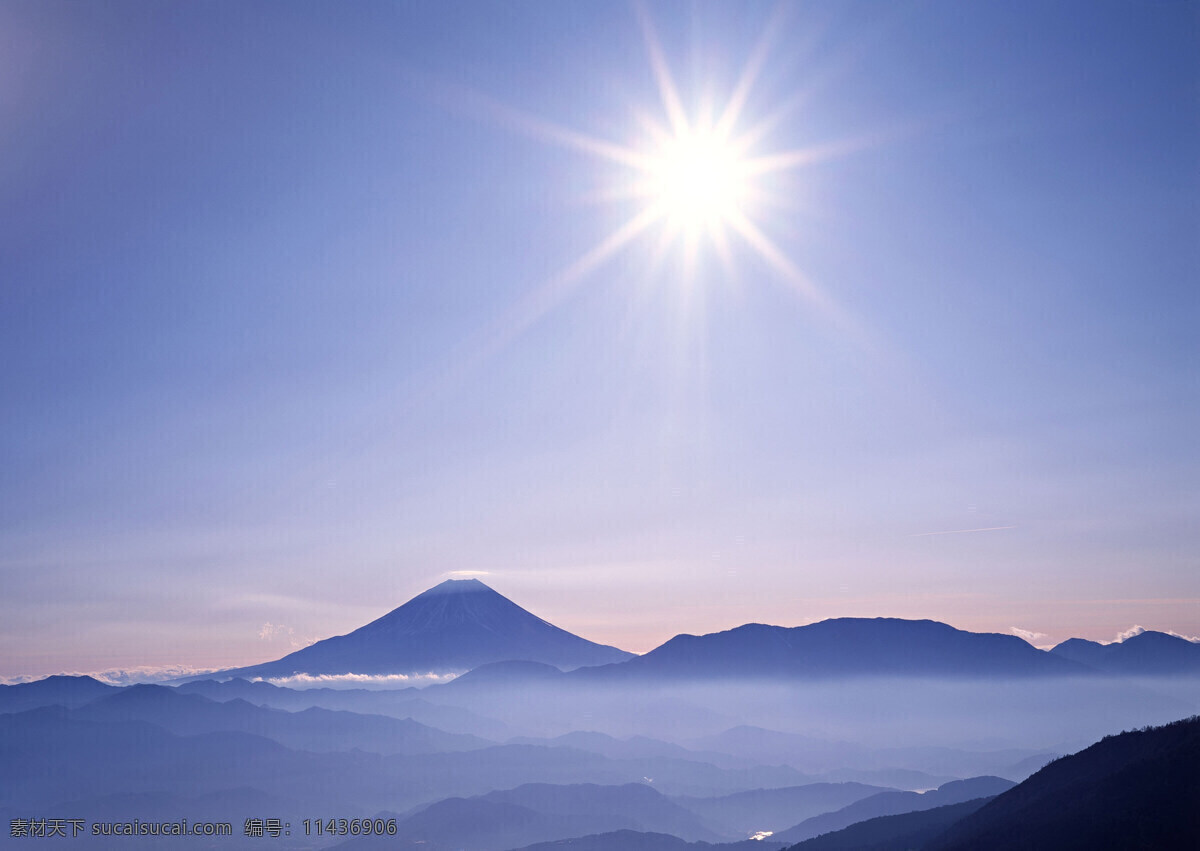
962	531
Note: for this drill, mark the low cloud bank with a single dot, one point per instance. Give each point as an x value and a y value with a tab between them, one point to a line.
1030	636
121	676
377	681
152	674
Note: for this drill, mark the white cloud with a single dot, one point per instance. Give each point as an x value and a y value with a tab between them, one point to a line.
152	674
270	631
1028	635
18	680
1137	629
469	573
358	680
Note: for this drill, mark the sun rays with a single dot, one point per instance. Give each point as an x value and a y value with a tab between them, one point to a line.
696	177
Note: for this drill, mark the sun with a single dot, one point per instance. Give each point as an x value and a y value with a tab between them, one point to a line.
698	181
703	180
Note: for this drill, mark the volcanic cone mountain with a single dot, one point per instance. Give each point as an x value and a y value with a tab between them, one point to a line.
455	626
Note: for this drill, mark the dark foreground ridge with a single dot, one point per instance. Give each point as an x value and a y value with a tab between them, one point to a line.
902	832
1139	789
1136	790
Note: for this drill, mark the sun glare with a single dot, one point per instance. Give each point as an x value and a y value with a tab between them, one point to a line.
698	181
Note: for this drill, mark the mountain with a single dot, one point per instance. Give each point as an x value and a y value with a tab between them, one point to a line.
394	703
842	647
895	803
60	690
1139	789
509	674
1147	653
453	627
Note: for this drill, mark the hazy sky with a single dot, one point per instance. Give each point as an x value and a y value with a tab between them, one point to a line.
305	307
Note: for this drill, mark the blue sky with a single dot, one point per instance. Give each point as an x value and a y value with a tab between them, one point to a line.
293	323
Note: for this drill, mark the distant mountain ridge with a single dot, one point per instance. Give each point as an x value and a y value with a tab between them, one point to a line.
1148	653
453	627
60	689
463	626
843	647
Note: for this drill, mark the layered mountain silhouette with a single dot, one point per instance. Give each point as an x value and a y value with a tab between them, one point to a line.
549	738
1148	653
754	810
540	812
453	627
61	690
123	766
399	703
312	729
844	647
895	803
